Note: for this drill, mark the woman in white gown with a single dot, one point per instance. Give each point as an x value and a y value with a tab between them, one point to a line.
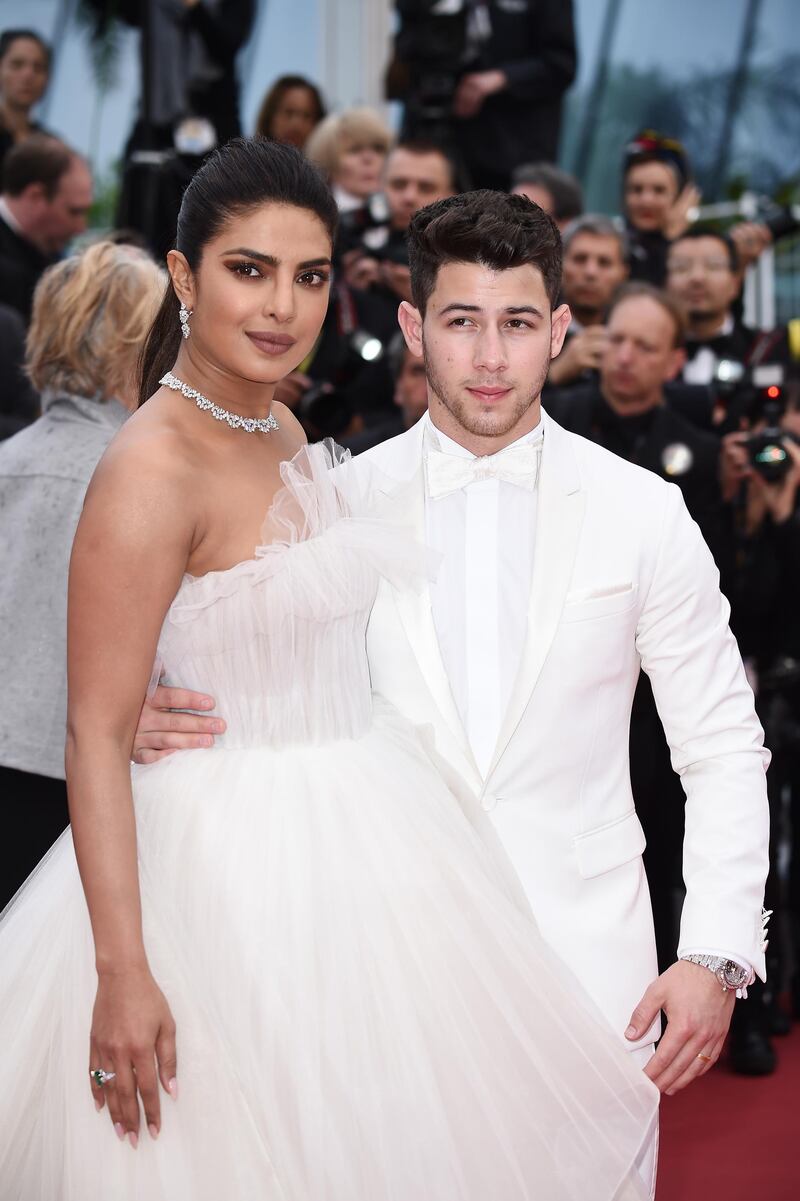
362	1009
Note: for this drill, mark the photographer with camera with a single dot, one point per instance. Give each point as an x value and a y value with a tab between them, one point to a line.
595	266
763	469
416	173
488	76
704	276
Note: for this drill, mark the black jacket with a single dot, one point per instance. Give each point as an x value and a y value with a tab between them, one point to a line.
533	42
21	266
665	442
19	403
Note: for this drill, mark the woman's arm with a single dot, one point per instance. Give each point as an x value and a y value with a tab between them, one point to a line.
130	551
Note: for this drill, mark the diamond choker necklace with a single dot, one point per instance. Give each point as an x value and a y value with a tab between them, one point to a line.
251	425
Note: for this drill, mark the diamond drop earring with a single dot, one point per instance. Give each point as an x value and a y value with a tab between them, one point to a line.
183	317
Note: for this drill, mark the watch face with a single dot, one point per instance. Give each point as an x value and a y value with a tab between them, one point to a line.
734	975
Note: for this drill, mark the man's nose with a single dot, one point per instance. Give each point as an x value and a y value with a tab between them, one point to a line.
490	352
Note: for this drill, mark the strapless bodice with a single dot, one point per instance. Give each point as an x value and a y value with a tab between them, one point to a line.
280	640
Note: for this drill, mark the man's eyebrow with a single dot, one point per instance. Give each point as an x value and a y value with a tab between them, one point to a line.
512	310
524	308
271	261
464	308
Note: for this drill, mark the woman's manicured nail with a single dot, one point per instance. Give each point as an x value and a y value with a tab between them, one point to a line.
134	1139
153	1130
98	1104
119	1131
172	1087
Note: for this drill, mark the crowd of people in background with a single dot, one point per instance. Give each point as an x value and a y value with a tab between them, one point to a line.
658	366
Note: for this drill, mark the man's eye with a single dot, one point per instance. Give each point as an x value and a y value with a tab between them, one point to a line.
518	323
460	322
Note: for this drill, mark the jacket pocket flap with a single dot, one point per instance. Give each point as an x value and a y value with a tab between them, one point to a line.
609	846
582	607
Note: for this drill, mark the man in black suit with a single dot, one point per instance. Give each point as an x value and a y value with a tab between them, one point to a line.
512	62
45	202
703	275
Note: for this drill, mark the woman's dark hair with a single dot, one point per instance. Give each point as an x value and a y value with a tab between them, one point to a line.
241	176
490	228
9	36
276	94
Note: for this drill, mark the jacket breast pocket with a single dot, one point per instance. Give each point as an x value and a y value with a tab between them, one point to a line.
609	846
583	605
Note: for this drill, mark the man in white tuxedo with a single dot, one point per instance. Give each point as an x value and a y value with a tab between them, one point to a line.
564	570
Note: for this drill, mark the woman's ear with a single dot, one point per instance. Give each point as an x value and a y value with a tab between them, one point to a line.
182	278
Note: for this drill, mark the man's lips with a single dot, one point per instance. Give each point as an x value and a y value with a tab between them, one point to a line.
274	344
488	393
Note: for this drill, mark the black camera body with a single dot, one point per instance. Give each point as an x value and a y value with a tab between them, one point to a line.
432	46
768	450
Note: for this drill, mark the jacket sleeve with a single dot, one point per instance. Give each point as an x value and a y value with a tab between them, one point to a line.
716	741
548	73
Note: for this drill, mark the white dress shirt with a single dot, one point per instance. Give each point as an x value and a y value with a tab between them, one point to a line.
485	534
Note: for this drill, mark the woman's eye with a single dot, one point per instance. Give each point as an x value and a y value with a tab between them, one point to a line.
246	270
313	279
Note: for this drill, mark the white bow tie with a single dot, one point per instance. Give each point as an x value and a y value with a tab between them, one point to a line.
515	465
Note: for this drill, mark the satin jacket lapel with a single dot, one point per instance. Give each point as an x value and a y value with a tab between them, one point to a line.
558	526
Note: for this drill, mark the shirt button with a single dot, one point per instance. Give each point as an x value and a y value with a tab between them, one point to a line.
488	802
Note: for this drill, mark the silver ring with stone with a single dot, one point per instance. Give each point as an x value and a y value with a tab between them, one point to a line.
101	1077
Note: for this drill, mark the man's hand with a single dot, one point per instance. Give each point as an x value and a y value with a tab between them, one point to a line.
698	1013
161	730
473	89
583	352
751	239
397	278
360	270
734	465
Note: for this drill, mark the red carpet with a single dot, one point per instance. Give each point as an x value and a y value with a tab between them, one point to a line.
730	1138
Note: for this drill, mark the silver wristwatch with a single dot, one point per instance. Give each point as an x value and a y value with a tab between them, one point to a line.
731	975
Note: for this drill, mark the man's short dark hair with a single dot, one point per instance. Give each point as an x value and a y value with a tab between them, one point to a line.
37	159
430	146
563	187
668	303
708	231
9	36
492	229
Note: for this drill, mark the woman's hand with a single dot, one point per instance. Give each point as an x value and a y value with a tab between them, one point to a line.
133	1035
680	215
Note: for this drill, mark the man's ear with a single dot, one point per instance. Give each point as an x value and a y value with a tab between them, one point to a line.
677	361
182	278
410	320
558	328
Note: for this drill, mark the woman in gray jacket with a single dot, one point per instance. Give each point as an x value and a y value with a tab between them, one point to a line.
90	317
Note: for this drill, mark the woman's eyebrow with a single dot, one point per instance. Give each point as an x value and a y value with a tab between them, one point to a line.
271	261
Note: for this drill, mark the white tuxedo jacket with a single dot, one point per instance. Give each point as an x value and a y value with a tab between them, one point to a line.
622	579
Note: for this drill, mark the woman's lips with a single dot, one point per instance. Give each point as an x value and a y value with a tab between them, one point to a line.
272	344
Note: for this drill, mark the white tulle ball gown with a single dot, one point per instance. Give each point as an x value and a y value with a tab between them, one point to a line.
365	1011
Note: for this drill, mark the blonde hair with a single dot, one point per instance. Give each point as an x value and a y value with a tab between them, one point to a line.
91	315
339	131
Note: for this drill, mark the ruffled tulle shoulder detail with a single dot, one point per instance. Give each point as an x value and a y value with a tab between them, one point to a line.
328	496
